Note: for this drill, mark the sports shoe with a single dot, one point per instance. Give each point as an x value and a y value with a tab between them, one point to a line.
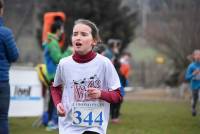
51	126
194	113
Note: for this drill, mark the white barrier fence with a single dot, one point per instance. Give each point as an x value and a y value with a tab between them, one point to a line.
26	93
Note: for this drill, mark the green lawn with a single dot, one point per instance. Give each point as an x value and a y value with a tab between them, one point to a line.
138	117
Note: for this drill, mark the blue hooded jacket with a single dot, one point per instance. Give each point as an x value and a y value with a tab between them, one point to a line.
8	51
194	79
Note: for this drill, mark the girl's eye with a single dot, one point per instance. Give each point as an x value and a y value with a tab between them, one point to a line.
75	34
81	34
84	34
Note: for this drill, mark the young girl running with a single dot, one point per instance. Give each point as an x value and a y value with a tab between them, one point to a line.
90	82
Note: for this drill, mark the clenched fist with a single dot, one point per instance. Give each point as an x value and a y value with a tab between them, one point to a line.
94	93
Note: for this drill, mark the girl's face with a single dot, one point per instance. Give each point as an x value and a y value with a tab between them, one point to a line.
82	39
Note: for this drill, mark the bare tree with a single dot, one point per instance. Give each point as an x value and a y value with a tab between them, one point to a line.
174	30
114	19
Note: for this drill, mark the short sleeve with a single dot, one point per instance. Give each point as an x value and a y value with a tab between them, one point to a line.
58	76
112	78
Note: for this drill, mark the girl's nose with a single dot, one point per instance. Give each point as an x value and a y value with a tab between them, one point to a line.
78	36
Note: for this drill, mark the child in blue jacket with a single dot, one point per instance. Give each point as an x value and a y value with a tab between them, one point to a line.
193	76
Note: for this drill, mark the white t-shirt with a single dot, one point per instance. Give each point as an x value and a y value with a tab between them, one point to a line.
83	114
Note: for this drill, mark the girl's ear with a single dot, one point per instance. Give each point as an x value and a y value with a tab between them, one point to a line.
94	42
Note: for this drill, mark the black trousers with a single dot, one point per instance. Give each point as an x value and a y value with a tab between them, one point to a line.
195	97
4	106
115	110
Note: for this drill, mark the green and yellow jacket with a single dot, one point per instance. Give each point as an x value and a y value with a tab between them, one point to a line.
53	54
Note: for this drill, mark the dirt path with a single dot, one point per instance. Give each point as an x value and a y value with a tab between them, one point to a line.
152	94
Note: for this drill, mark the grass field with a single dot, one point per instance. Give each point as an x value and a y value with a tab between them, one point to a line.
138	117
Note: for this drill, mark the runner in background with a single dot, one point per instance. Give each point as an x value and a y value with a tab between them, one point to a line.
113	53
100	49
193	76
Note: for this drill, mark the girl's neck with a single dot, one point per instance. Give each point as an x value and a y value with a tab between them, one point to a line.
84	58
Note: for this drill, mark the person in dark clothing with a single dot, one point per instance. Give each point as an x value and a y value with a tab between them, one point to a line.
8	54
114	47
100	48
115	107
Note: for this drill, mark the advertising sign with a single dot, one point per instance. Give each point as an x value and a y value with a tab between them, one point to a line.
26	92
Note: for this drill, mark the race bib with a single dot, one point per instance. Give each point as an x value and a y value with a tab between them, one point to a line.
88	114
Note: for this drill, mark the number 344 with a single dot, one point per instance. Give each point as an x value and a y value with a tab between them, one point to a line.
88	119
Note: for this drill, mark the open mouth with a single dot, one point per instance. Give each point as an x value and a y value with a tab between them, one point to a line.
78	44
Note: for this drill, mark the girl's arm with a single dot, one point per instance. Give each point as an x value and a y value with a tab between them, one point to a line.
56	93
111	96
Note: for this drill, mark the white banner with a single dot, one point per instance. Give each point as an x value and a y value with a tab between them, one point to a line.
26	93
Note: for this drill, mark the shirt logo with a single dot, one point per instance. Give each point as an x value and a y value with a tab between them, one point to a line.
81	86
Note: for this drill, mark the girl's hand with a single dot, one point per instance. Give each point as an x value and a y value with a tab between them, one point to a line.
94	93
60	109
